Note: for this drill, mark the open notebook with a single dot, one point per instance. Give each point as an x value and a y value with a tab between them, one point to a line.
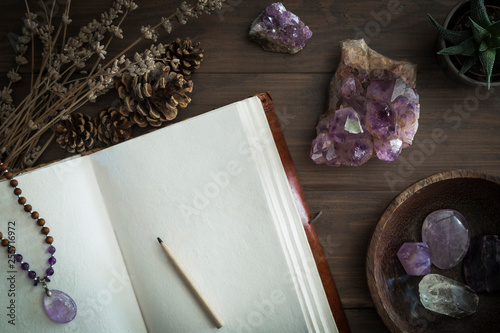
213	187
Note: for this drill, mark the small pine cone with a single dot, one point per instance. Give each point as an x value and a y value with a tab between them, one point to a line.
153	98
76	133
185	57
112	127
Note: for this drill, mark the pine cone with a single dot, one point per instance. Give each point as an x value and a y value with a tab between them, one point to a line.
152	99
185	58
112	127
76	133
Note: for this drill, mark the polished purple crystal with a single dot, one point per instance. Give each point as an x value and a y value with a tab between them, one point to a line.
482	264
60	307
18	257
374	110
25	266
51	249
52	261
447	234
31	274
279	30
49	271
415	258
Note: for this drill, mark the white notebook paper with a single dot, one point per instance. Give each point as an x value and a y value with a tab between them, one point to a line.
214	189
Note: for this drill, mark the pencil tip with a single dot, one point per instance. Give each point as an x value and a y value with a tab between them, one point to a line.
159	240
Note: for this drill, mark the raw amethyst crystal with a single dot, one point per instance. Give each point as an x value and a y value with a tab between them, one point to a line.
415	258
446	296
373	109
279	30
447	234
482	264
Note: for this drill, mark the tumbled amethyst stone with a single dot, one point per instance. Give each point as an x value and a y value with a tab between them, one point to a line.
447	234
415	258
482	264
60	307
279	30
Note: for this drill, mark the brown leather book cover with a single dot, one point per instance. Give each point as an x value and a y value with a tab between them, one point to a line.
319	256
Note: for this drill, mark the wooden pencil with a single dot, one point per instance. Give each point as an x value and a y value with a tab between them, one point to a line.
192	285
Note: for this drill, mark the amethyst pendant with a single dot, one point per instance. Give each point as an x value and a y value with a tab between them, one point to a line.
60	307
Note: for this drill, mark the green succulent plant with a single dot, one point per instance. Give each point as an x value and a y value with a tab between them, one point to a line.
480	43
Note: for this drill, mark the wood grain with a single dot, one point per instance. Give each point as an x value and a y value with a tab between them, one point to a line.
352	199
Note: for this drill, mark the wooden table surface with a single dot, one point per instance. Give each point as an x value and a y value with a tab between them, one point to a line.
352	199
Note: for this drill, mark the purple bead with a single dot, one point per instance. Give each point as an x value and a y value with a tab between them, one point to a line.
415	258
18	257
25	266
482	264
49	271
447	234
32	274
46	278
60	307
51	249
52	261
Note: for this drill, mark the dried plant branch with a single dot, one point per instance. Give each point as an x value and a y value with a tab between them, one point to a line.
55	92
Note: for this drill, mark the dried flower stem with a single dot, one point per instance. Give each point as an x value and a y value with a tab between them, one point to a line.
54	92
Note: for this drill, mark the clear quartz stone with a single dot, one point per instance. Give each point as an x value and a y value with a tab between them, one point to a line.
60	307
446	296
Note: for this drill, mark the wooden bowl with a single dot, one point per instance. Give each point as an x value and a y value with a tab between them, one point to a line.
395	294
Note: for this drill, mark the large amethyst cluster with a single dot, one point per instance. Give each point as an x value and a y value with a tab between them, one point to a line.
372	110
279	30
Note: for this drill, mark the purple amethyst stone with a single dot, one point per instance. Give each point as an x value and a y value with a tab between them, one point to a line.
51	249
482	264
376	110
52	261
447	234
415	258
60	307
279	30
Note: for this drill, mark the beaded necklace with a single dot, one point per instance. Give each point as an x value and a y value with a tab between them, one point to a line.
60	307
